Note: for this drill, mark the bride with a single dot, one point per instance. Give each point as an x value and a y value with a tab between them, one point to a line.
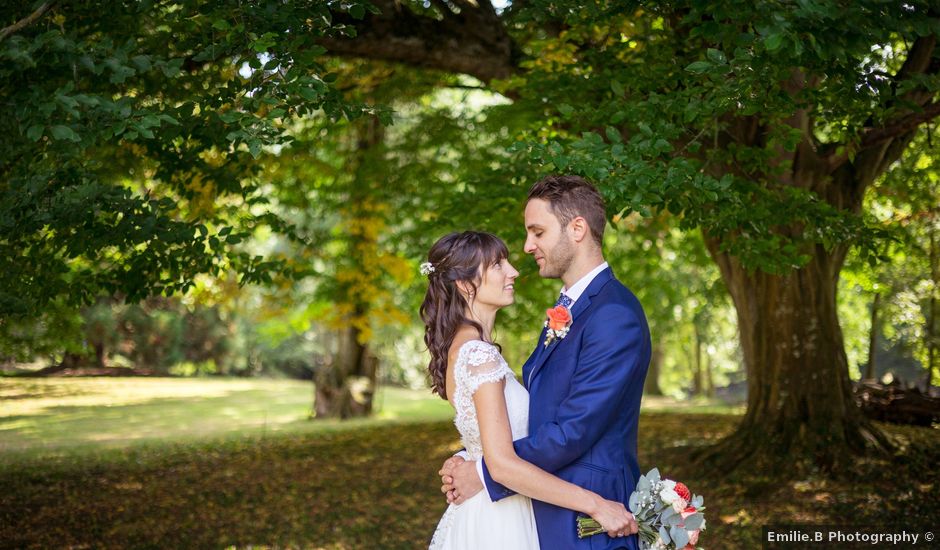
469	280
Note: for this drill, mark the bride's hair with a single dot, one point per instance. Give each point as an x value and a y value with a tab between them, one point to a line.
454	257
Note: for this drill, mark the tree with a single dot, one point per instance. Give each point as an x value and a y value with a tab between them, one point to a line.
762	124
128	163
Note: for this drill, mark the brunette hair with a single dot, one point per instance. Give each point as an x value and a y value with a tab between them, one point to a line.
569	197
454	257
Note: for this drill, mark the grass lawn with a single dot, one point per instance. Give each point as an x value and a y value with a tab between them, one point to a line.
217	463
41	417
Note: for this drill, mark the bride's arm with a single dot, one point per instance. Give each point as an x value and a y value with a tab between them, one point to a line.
522	477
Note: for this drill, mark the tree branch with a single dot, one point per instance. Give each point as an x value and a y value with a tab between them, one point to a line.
473	42
877	142
26	21
876	136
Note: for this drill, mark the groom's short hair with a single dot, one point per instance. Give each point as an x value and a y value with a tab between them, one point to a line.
572	196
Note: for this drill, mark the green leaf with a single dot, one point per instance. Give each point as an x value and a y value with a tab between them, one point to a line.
142	62
358	11
35	132
716	56
172	67
613	134
60	132
254	147
699	67
229	117
617	88
773	42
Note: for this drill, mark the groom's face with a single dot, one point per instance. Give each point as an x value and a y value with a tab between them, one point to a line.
547	241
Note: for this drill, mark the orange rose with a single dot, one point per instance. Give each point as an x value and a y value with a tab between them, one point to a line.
558	317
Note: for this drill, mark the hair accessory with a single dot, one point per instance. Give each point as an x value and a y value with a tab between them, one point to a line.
426	268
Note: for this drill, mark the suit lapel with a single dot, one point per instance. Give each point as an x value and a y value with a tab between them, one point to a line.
583	302
533	358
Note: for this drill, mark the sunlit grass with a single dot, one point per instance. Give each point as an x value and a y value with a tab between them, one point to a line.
698	405
55	415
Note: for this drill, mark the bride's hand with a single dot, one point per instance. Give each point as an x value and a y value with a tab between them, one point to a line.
614	518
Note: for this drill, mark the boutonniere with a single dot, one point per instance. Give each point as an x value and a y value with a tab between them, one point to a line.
559	319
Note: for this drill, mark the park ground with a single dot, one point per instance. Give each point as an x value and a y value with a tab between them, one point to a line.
207	463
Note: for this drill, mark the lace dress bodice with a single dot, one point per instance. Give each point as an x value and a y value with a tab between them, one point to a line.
477	363
506	524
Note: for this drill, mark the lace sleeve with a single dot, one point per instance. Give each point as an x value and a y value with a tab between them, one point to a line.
483	364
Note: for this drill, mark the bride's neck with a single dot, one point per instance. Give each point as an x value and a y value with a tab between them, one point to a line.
486	317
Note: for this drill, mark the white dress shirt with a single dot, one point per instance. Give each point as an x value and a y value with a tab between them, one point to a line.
579	287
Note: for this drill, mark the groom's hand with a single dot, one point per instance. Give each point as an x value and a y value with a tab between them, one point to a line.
460	480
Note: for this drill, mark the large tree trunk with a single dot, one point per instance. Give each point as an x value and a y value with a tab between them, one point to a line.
800	402
346	387
651	386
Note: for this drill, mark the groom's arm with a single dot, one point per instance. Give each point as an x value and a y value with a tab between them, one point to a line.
608	363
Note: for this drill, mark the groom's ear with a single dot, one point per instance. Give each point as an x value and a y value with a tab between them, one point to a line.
579	229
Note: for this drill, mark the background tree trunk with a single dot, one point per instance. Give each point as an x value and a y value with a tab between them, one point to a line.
346	387
709	380
873	338
698	380
651	386
932	311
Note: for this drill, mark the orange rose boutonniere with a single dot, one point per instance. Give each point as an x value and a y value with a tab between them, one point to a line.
559	319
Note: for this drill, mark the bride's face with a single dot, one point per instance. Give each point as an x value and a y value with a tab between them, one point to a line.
497	284
547	240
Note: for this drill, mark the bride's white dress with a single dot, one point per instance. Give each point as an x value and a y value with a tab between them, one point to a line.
480	523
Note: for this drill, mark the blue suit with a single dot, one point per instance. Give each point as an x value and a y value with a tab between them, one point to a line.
584	407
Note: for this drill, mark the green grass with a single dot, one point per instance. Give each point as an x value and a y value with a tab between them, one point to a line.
39	417
206	463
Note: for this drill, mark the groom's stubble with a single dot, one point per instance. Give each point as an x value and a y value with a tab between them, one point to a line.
559	258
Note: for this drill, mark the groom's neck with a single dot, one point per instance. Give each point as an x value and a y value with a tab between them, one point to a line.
581	266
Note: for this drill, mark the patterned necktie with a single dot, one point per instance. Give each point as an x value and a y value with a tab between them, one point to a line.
564	300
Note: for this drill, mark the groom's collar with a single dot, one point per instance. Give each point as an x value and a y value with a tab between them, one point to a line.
579	287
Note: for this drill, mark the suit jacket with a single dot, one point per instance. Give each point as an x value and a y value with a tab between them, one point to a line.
584	407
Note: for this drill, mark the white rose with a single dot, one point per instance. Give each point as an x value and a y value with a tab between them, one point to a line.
679	505
668	495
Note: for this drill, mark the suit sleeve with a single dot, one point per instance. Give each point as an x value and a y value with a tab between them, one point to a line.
609	360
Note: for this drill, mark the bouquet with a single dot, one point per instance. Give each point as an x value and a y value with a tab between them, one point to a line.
668	515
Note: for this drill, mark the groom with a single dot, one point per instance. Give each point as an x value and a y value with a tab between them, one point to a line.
584	387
